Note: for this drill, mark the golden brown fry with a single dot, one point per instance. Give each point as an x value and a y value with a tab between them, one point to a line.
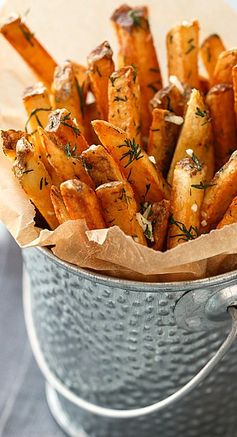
147	181
59	206
172	98
91	114
34	179
234	75
163	136
182	44
23	40
210	49
81	203
83	82
101	166
9	140
196	134
160	213
119	208
101	66
230	216
220	101
137	48
223	69
186	200
37	105
124	102
223	188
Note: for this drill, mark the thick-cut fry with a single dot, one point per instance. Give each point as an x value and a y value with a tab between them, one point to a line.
34	179
37	105
230	216
147	181
220	101
59	206
173	98
163	136
223	69
23	40
119	208
196	134
66	93
137	48
124	102
222	189
91	114
101	166
160	212
9	140
81	203
234	75
83	82
182	44
186	200
210	50
101	66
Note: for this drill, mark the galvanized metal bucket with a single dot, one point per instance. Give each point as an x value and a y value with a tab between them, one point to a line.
133	359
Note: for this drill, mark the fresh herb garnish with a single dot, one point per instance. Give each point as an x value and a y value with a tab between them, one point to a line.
134	151
122	99
41	183
35	113
80	90
113	79
152	85
200	113
27	34
75	129
136	17
70	151
135	72
195	159
202	186
124	197
27	171
186	234
191	46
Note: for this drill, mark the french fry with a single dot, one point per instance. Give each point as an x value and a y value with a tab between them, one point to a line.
137	48
204	84
66	93
83	82
34	179
220	101
210	50
124	102
119	208
230	216
163	136
37	105
91	114
81	203
9	140
160	213
182	43
196	134
234	75
147	181
186	200
101	166
101	66
173	97
223	69
218	196
59	206
25	43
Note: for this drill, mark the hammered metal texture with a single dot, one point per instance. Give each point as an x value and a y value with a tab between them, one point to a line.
120	347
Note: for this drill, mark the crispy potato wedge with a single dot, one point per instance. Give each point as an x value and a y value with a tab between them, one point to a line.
119	208
81	203
222	189
210	50
9	140
234	75
182	43
37	105
25	43
163	136
230	216
173	98
83	82
101	166
124	102
220	101
196	134
101	66
59	206
223	69
147	181
186	201
34	179
137	48
160	213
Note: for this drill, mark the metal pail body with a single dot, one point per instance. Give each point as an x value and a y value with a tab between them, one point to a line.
124	345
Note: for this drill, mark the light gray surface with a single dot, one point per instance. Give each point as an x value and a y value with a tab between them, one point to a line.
23	408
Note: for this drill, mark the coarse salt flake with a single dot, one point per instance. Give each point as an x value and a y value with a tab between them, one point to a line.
189	152
194	207
204	223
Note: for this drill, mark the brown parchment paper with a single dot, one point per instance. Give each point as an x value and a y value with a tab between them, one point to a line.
70	30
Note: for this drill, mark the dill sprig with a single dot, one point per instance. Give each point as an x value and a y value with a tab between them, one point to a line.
202	186
35	113
75	129
133	153
185	234
70	150
120	99
124	197
80	90
135	17
195	159
27	34
191	46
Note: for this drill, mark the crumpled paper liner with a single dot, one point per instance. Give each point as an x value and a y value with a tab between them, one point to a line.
108	251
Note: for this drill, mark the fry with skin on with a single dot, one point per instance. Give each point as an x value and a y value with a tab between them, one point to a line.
100	165
81	203
124	102
59	206
37	105
137	48
234	75
163	136
222	189
186	200
220	101
230	216
223	69
173	97
147	181
119	208
34	179
83	82
29	48
182	43
210	50
160	212
101	66
9	140
197	135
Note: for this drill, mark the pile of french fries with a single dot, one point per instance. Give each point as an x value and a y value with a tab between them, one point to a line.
113	146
